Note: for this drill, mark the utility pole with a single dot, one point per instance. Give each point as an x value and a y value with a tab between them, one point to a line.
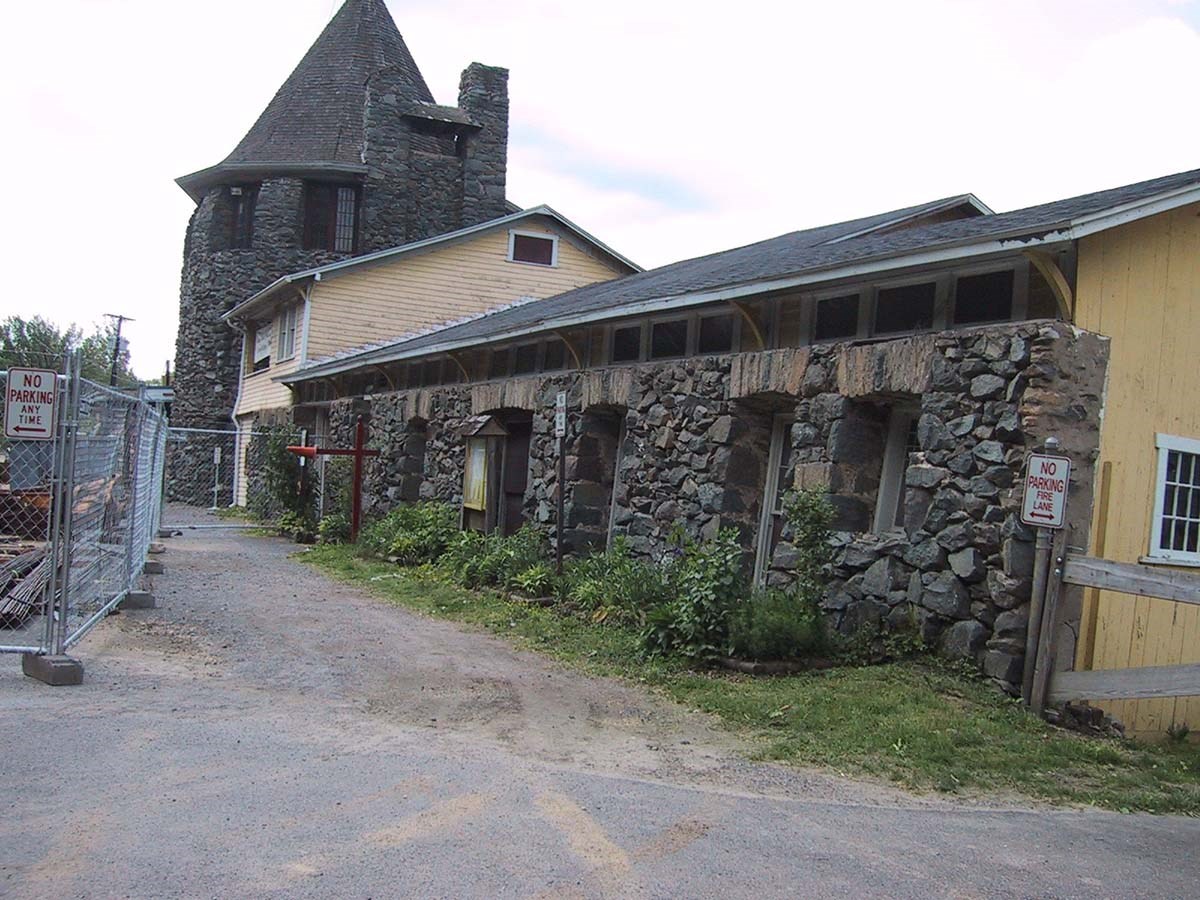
116	355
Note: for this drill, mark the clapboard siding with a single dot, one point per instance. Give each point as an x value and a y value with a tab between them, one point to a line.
259	392
1140	284
437	287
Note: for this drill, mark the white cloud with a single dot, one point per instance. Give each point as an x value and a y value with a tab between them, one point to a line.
666	129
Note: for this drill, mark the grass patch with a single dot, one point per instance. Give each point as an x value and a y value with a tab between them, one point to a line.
922	725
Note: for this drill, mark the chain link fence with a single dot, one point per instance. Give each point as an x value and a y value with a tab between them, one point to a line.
77	515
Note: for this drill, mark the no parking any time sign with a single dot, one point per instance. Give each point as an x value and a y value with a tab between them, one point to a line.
30	404
1046	480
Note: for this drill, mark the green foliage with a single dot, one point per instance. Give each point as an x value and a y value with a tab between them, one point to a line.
706	583
613	583
40	344
478	560
776	624
334	528
411	535
536	581
283	486
338	485
809	515
300	527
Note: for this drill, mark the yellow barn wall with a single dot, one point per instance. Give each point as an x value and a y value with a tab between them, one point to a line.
436	287
1140	285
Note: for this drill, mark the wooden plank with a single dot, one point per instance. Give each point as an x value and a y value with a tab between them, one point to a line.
1132	578
1126	684
1086	651
1044	664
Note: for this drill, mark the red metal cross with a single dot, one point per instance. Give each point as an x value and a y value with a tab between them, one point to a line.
359	452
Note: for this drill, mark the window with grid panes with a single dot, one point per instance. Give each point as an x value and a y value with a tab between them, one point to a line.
525	359
716	334
287	332
1176	525
627	344
330	217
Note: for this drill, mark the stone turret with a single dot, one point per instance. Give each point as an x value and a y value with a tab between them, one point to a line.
353	127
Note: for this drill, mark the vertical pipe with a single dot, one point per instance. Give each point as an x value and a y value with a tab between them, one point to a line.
356	493
562	491
72	411
57	499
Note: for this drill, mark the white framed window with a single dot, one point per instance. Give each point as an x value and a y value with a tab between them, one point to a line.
533	247
1175	528
779	469
287	332
260	343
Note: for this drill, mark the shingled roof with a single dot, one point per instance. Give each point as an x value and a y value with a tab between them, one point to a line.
315	119
800	257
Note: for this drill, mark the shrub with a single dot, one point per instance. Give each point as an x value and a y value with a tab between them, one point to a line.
809	515
776	624
334	528
300	527
706	583
279	484
536	581
613	583
476	560
411	534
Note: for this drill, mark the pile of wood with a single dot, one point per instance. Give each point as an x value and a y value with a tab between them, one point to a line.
23	581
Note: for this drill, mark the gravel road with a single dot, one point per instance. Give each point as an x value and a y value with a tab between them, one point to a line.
270	732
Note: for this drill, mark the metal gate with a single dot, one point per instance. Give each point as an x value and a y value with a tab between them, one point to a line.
218	478
77	515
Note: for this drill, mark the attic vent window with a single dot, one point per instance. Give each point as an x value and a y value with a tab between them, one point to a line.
536	249
330	217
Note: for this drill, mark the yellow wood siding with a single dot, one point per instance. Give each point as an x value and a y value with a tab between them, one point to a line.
439	286
1140	284
260	393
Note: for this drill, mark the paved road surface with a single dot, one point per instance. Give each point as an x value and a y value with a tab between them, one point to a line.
268	732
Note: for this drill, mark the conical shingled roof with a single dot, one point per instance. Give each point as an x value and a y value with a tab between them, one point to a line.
317	116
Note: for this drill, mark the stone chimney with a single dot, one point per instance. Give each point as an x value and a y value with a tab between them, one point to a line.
483	94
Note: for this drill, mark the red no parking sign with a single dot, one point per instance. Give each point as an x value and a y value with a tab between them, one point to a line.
30	404
1046	481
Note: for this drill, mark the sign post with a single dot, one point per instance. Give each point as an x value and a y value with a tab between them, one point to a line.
1044	506
560	432
30	404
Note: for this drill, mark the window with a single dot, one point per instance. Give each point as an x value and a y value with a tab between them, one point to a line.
901	440
525	359
330	217
837	318
716	334
1175	531
779	468
538	249
627	344
242	201
905	308
261	342
287	332
668	339
791	321
431	373
983	298
498	367
556	356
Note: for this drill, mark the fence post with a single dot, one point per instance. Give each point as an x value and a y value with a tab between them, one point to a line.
57	501
72	428
1044	661
1041	571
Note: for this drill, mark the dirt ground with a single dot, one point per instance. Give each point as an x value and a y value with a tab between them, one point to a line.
268	731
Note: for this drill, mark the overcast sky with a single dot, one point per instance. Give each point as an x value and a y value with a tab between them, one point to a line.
667	129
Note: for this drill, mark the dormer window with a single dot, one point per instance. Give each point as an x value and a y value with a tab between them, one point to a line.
532	248
330	217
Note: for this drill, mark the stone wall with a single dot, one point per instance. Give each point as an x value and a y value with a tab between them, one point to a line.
694	453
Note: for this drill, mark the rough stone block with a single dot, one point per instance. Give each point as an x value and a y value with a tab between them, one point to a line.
962	639
139	600
946	596
53	670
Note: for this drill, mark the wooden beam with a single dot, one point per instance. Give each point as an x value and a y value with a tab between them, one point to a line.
562	336
1048	266
1126	684
749	320
1131	578
1044	663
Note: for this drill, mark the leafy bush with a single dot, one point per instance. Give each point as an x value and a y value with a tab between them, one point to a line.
411	534
706	583
476	560
279	485
300	527
776	624
809	515
536	581
334	528
614	584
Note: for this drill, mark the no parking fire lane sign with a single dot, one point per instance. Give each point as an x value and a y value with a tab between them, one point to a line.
30	404
1046	481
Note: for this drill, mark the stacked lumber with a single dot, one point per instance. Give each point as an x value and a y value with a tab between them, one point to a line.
23	581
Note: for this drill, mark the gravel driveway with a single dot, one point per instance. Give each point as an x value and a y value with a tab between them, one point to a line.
270	732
